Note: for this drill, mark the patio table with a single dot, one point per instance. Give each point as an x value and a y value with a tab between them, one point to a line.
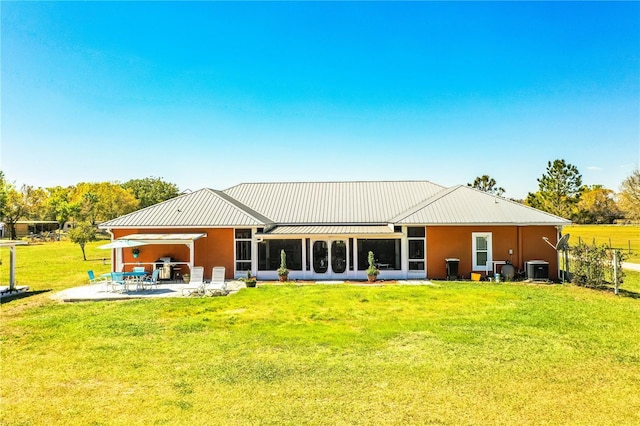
135	277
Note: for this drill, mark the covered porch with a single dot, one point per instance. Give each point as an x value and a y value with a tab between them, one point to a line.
173	252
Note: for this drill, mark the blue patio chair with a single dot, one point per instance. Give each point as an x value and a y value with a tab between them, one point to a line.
93	280
151	280
118	283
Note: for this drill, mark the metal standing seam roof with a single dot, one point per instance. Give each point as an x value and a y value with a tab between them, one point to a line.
317	204
333	202
332	230
205	207
461	205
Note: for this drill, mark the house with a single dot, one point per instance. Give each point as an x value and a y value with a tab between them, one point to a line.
328	228
25	228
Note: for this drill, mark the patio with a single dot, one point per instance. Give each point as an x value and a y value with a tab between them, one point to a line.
97	293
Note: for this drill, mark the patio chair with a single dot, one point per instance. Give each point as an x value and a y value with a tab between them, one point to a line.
118	283
152	280
217	286
196	282
103	281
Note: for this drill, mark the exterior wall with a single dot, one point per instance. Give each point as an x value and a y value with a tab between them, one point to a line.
456	241
216	249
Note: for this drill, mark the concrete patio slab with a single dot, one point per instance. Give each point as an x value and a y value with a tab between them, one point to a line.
97	293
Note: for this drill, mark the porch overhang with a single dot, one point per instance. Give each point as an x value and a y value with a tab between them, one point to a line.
307	230
164	238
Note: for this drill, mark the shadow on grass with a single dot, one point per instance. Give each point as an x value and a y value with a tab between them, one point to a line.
12	297
626	293
621	292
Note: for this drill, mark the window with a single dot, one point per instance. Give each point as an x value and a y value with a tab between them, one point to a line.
481	250
416	236
269	254
243	250
386	253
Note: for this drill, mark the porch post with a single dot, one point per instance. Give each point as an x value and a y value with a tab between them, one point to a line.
404	253
355	257
304	258
191	246
12	267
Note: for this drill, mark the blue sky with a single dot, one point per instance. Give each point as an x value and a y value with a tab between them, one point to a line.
212	94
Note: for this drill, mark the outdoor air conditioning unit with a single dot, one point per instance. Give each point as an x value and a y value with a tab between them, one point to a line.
537	270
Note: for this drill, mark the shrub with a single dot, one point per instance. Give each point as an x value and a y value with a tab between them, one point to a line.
593	265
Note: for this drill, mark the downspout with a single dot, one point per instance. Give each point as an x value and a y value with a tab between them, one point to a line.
519	244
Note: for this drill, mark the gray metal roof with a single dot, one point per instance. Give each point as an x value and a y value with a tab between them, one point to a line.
460	205
333	202
205	207
331	230
339	204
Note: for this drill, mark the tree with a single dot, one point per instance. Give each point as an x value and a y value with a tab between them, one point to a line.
106	201
3	194
487	184
629	199
597	205
60	208
15	208
559	189
82	234
36	203
88	207
151	190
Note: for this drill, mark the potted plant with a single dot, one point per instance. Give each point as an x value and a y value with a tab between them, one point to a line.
283	272
250	280
136	253
372	271
186	278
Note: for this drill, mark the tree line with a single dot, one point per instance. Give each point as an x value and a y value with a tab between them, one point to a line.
561	192
86	202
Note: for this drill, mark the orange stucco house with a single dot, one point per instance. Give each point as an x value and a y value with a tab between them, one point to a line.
328	228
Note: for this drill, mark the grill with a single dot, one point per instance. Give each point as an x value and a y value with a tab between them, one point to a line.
165	267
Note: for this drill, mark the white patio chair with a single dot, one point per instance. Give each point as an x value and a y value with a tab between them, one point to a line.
196	282
217	284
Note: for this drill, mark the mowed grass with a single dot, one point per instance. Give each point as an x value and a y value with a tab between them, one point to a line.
620	236
452	353
55	265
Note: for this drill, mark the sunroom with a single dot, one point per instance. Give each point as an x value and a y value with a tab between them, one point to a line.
331	252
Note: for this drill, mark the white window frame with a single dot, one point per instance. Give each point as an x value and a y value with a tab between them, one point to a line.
474	249
424	251
235	253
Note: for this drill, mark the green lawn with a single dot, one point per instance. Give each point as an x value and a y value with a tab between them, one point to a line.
620	236
452	353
